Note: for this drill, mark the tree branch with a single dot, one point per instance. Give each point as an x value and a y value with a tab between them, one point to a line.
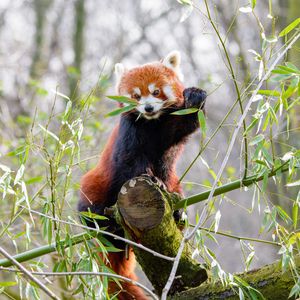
85	273
269	280
29	275
229	187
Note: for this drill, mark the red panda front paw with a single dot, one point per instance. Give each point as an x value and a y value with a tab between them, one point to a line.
194	97
156	181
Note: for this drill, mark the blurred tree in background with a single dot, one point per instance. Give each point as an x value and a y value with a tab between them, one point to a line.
56	65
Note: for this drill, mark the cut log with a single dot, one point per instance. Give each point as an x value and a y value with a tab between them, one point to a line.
145	212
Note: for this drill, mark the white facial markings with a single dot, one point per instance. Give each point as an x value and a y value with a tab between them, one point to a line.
137	91
155	103
168	91
151	87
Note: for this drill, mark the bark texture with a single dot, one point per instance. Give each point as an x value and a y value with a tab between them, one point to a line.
269	280
146	215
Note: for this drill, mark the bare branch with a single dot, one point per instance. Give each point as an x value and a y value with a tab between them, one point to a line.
83	273
29	275
105	233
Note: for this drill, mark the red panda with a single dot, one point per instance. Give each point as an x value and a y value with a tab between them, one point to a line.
147	139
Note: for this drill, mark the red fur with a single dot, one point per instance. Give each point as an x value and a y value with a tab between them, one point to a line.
96	184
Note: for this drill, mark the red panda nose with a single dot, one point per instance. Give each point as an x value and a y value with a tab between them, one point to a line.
149	108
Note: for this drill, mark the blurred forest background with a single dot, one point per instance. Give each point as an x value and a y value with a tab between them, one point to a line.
71	46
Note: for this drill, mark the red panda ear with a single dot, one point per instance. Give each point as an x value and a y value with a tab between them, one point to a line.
172	61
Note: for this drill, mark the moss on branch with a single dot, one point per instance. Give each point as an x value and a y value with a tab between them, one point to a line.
146	216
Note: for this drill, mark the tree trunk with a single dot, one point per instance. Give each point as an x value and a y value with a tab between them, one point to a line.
146	215
40	9
78	47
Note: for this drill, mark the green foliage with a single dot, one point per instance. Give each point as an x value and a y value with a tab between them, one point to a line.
39	190
40	169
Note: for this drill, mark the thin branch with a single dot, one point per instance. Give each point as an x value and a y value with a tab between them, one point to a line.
187	235
29	275
117	237
240	238
37	252
229	187
212	136
84	273
239	124
31	254
234	81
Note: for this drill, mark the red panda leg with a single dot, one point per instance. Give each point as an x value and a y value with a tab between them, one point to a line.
125	266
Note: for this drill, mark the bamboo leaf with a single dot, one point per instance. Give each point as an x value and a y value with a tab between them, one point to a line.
60	94
257	139
245	9
295	183
294	290
91	215
186	13
34	180
201	118
185	111
8	283
295	215
123	99
20	174
289	28
269	93
120	110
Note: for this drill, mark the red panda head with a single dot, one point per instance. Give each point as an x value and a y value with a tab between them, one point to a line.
155	86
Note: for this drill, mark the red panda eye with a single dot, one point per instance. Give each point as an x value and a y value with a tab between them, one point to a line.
136	96
156	93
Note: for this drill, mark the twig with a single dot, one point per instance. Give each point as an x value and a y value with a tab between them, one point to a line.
37	252
229	187
27	255
213	134
117	237
239	124
240	238
188	235
234	81
84	273
29	275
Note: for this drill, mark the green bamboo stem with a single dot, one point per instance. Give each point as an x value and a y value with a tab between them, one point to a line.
227	188
34	253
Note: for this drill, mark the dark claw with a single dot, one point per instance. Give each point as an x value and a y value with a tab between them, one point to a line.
155	180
